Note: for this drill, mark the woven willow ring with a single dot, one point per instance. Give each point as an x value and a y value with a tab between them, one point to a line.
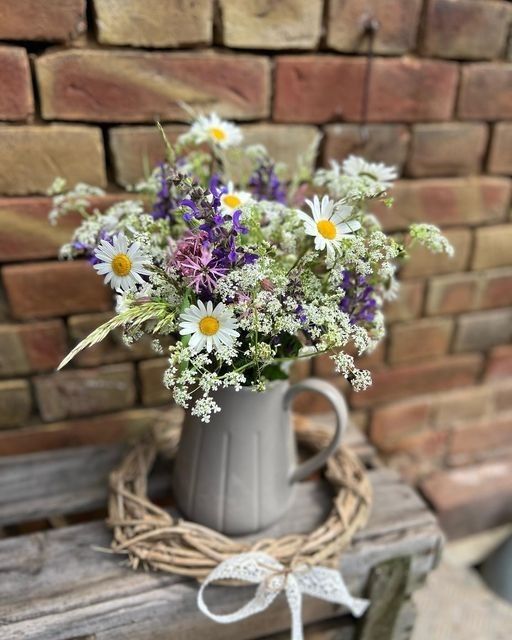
152	537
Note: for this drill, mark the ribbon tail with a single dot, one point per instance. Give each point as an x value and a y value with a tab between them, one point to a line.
328	584
357	606
294	597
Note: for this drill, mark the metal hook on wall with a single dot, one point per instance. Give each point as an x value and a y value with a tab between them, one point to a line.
370	27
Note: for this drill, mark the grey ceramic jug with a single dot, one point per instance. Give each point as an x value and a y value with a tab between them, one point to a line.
236	474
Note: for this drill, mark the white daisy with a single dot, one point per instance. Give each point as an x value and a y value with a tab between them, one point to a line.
330	222
232	199
216	131
358	168
209	327
122	265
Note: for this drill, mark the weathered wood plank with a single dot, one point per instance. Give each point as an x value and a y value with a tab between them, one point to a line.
74	480
57	586
387	588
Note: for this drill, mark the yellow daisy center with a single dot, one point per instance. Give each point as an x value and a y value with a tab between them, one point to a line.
231	201
121	264
327	229
218	134
209	326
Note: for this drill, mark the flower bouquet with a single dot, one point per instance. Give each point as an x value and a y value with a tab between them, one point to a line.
237	273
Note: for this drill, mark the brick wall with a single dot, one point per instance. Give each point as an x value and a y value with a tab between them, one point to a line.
80	86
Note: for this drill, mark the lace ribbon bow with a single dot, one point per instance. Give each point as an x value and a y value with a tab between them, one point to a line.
272	578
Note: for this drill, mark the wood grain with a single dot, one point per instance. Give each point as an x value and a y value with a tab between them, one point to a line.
57	585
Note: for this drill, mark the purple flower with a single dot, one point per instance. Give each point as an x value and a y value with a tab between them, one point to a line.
165	203
195	260
359	301
265	184
239	228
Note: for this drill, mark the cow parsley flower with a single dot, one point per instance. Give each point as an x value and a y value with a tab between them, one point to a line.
431	237
209	327
329	224
218	132
122	265
379	172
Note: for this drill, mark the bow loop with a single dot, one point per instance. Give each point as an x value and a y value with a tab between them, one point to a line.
272	578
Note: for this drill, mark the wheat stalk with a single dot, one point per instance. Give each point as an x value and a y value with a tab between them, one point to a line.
135	316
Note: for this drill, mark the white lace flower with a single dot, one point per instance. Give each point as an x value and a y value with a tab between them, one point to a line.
122	265
357	167
233	199
214	130
330	222
209	327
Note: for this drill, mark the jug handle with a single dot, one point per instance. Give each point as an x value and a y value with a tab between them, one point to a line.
338	403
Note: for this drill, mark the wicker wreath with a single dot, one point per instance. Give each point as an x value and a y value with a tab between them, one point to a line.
149	535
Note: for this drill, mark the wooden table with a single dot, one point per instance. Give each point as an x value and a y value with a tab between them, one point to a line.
57	584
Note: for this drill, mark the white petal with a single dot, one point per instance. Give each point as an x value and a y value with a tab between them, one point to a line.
102	268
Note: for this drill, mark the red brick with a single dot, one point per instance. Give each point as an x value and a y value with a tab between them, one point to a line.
16	100
500	154
497	289
466	29
452	293
33	347
152	388
385	143
420	340
300	370
27	233
50	20
408	304
398	24
15	403
425	263
48	289
412	90
94	430
323	88
70	151
471	441
447	149
394	422
69	394
309	402
136	148
455	293
486	91
473	499
428	444
318	88
462	405
481	331
106	86
499	364
501	395
493	247
447	202
409	380
413	468
285	143
275	25
153	23
110	350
